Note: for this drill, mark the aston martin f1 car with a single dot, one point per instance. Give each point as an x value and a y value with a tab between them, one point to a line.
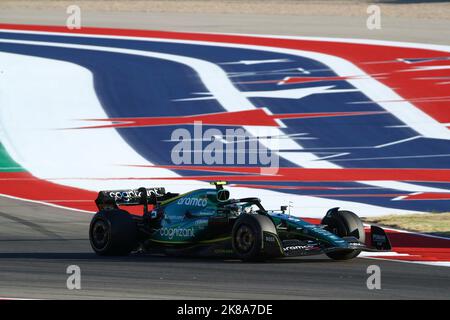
207	222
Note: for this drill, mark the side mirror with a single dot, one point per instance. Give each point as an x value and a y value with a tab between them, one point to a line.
284	208
223	195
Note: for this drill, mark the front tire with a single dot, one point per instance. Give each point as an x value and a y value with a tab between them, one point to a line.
247	237
113	233
344	224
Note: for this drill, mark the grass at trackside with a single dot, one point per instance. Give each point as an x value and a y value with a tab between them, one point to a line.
7	164
430	223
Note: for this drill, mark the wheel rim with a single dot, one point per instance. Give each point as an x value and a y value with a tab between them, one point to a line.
100	234
245	239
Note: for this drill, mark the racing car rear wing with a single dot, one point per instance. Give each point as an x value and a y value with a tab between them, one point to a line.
111	199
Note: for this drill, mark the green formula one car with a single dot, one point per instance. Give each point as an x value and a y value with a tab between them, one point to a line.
207	222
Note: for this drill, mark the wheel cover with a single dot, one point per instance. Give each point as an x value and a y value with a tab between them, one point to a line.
100	234
244	239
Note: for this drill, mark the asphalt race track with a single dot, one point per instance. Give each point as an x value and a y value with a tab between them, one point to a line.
38	243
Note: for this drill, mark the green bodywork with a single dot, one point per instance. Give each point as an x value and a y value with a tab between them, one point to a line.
187	219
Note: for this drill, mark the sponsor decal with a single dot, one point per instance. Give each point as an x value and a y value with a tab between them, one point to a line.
356	244
300	248
173	217
195	202
153	214
130	195
201	222
223	251
295	248
177	232
270	238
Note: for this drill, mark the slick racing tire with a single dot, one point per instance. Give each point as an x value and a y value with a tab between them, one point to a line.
344	224
247	236
113	233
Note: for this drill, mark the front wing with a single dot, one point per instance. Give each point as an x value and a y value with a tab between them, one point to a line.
379	242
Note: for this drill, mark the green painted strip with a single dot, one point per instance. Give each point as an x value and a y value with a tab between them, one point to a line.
169	242
7	164
163	203
191	241
215	240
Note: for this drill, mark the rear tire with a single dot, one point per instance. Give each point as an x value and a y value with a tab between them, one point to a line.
344	224
113	233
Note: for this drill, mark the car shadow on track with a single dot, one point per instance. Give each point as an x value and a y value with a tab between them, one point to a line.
146	258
